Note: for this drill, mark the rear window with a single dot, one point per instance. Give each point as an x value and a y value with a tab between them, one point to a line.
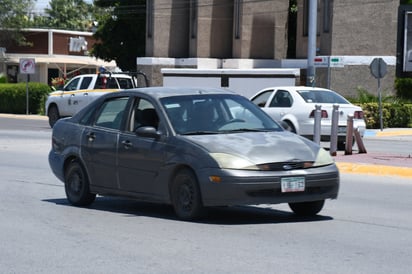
322	96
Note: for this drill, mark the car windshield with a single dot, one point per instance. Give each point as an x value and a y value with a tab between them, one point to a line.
322	96
214	114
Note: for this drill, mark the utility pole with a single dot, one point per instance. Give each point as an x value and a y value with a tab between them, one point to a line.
313	10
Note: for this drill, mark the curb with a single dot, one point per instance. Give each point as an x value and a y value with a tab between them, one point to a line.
24	116
371	169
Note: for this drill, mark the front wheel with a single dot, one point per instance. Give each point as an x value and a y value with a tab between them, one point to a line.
76	185
307	208
53	114
185	195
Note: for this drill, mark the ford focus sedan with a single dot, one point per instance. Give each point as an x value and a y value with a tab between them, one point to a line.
189	147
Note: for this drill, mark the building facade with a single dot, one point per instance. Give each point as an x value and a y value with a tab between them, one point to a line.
56	53
241	34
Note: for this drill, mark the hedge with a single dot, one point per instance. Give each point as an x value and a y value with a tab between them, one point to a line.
13	97
393	115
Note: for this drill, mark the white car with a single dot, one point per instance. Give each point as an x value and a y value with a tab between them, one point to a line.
295	106
83	89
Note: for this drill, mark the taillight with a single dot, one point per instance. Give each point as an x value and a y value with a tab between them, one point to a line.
324	114
358	114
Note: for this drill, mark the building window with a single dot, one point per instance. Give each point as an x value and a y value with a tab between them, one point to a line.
306	4
149	18
193	18
238	14
326	16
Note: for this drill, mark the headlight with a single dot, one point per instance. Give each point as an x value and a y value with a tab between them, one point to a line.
233	162
323	158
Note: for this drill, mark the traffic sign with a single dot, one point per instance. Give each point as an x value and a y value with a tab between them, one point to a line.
27	66
328	61
378	68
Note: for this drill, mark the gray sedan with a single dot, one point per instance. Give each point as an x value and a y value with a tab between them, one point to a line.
189	147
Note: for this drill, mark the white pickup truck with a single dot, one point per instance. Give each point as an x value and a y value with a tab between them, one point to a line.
83	89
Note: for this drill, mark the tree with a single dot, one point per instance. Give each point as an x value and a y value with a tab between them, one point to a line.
13	17
68	14
121	32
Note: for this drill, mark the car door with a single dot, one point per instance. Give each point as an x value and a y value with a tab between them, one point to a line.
140	159
65	105
279	104
81	97
100	141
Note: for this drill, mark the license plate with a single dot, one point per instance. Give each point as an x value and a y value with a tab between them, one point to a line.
293	184
342	130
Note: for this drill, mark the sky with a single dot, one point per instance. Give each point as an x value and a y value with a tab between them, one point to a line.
40	5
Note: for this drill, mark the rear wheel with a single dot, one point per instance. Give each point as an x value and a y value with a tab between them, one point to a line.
53	114
76	185
288	126
185	195
307	208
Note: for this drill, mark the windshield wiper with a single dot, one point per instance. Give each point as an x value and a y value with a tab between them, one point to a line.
200	132
245	130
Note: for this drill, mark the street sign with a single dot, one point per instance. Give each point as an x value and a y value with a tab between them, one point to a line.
336	62
321	61
378	68
27	66
328	61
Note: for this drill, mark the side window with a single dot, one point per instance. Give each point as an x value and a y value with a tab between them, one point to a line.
72	85
282	99
85	82
262	98
112	112
125	83
112	83
144	114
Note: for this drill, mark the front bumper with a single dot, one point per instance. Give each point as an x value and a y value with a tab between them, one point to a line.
240	187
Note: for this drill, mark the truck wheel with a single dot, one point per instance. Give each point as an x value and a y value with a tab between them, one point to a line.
53	115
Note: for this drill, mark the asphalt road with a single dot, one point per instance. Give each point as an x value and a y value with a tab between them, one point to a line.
366	230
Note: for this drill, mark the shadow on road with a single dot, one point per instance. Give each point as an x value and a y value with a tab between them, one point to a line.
236	215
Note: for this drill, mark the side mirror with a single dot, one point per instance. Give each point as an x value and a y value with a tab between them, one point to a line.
147	131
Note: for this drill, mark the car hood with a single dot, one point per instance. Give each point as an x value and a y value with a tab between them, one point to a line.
259	147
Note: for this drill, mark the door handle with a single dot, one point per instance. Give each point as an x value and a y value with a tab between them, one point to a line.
127	144
91	136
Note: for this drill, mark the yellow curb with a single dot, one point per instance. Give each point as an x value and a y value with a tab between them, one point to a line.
379	170
394	133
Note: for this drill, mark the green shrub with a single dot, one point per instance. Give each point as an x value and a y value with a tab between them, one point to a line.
3	78
393	115
13	98
403	88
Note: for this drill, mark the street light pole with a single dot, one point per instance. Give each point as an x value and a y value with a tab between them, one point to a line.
313	8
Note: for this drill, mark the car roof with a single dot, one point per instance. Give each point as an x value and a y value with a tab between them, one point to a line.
295	88
160	92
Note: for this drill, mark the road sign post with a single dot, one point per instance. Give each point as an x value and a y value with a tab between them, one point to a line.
27	66
378	69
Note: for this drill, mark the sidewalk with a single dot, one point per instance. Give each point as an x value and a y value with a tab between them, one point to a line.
381	164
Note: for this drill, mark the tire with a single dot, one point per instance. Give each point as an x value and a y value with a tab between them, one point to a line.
288	126
53	114
76	185
342	144
186	196
307	208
